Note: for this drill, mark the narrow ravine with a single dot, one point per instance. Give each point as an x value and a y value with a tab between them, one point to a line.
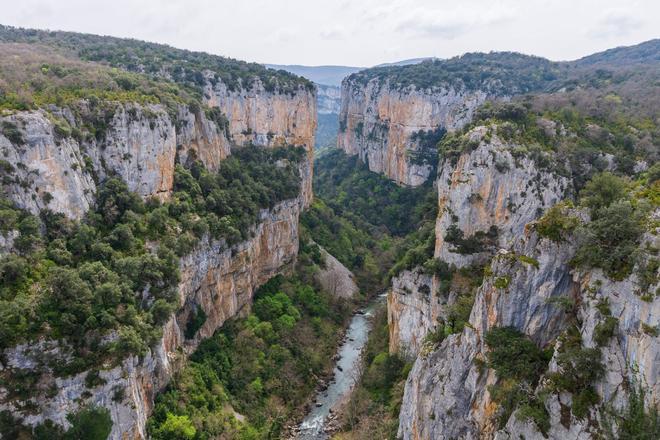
326	402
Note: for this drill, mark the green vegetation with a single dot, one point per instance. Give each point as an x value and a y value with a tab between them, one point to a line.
501	282
264	366
464	282
367	221
610	240
183	66
512	72
557	223
427	147
35	76
636	421
479	242
77	281
569	133
579	368
519	364
89	423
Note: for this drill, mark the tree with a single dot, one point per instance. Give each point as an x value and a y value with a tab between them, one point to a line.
175	428
601	191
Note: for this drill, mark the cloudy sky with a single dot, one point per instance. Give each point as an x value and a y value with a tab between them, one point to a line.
357	32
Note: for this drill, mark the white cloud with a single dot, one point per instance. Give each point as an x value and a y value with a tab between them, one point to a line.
615	23
356	32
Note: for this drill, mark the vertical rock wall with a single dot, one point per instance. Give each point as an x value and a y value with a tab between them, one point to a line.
377	122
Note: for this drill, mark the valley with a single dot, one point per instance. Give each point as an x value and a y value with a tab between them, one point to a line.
196	247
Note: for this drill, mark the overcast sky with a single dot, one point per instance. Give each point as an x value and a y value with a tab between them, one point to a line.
358	32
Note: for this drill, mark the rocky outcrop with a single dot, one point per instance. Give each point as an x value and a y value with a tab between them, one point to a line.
335	278
44	171
268	118
51	165
215	279
487	196
328	99
447	392
413	310
52	168
446	395
378	122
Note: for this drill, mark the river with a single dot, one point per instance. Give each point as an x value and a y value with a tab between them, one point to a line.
345	375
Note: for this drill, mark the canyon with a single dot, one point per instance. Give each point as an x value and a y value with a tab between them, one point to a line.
543	175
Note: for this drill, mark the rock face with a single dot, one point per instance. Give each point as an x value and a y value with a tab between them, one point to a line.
377	122
328	100
446	394
46	165
57	171
214	278
413	309
335	278
39	166
486	188
265	118
53	169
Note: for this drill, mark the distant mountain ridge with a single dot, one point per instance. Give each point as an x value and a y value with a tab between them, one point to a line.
326	75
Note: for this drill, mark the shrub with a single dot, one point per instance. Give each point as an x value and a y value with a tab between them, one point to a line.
636	421
555	224
609	241
90	423
176	427
601	191
579	368
479	242
604	330
514	356
11	132
501	282
196	320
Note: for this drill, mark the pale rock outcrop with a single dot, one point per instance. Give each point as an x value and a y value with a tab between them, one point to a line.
377	122
46	172
446	395
200	138
265	118
413	310
328	99
214	278
335	278
140	147
140	144
490	187
58	172
268	118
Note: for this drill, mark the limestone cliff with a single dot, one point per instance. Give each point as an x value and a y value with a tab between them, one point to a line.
447	392
379	122
267	118
413	310
53	168
488	195
215	279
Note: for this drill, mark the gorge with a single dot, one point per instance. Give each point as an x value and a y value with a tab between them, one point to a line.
177	261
